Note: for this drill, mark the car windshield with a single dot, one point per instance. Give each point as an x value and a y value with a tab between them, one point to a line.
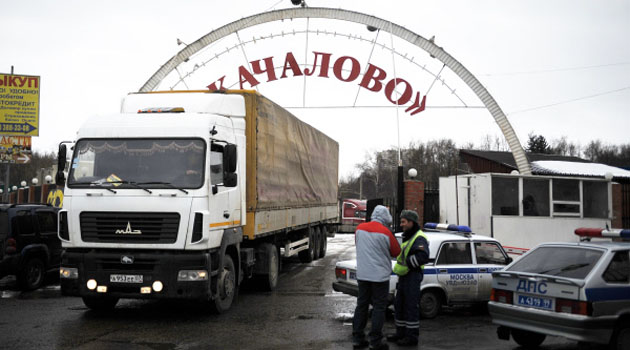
571	262
138	163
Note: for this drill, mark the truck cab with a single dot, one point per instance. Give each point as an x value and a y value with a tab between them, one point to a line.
152	194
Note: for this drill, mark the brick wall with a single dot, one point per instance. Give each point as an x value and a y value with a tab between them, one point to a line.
414	197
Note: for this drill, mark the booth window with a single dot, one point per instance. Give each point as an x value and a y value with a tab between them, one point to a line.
535	197
504	196
566	197
595	199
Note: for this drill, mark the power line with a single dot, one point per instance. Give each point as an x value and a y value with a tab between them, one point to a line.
568	101
554	70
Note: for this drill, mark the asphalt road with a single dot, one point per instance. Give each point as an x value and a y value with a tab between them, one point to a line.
303	313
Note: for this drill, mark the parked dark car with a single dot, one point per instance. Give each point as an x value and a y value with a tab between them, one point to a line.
29	245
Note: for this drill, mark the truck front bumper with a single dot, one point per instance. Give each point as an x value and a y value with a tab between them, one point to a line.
575	327
163	266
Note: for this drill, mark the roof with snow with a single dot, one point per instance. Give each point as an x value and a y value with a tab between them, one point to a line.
553	167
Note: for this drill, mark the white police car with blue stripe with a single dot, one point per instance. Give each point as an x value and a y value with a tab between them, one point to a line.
580	291
459	270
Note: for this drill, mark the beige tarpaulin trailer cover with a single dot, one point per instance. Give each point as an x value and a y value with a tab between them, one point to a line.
293	164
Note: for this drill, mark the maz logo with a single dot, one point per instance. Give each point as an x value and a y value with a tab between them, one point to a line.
128	231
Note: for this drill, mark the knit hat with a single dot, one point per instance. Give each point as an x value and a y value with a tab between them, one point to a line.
409	215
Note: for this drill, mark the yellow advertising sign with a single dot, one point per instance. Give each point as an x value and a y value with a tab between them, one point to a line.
19	105
15	149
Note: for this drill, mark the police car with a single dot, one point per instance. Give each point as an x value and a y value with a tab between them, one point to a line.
580	291
459	270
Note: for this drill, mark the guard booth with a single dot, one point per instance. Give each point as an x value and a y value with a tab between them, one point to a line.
523	211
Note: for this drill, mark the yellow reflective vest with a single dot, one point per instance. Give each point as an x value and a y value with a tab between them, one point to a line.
401	267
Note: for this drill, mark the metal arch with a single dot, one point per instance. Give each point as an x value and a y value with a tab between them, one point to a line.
350	16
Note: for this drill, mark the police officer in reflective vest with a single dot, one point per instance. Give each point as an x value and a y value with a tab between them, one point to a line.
409	265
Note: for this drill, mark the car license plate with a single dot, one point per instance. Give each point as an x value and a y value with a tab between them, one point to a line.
536	302
125	278
353	275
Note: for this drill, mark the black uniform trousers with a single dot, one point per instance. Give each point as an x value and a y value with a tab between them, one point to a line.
407	304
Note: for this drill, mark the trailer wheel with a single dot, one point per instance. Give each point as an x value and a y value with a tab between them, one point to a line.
323	246
317	239
226	285
269	280
307	255
100	303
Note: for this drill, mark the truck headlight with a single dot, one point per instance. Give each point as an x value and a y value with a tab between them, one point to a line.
69	272
192	275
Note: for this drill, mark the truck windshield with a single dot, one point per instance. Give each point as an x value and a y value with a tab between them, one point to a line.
571	262
138	163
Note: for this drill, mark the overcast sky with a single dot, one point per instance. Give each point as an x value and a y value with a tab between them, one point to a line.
555	67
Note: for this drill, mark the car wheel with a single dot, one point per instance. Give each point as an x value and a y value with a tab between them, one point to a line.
430	304
31	276
100	303
307	255
323	246
527	339
622	338
226	285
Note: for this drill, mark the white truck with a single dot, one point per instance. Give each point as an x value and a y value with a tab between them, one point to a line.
186	194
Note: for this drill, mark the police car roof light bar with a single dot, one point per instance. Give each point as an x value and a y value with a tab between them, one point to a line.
604	233
451	227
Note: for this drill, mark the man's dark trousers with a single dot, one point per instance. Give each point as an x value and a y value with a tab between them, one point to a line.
376	294
407	305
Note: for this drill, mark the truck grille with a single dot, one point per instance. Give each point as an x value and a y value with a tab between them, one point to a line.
116	227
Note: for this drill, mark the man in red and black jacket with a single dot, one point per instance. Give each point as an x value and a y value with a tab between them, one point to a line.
376	245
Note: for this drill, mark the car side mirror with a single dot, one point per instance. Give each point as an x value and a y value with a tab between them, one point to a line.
508	260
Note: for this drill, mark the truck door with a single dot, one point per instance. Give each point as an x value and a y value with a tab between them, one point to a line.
456	272
224	203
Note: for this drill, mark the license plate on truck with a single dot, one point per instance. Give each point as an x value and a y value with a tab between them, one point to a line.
125	278
536	302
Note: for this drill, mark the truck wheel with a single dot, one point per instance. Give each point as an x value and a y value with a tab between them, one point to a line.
269	280
324	242
100	303
31	276
317	239
527	339
226	286
430	304
307	255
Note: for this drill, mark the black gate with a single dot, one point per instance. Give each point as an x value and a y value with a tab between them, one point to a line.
391	204
431	205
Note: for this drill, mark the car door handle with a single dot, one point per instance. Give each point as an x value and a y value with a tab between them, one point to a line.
483	270
443	270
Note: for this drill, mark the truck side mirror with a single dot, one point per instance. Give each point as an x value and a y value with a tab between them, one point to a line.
231	180
229	158
61	165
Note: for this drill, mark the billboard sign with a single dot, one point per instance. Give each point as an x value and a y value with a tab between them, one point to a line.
19	105
15	149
